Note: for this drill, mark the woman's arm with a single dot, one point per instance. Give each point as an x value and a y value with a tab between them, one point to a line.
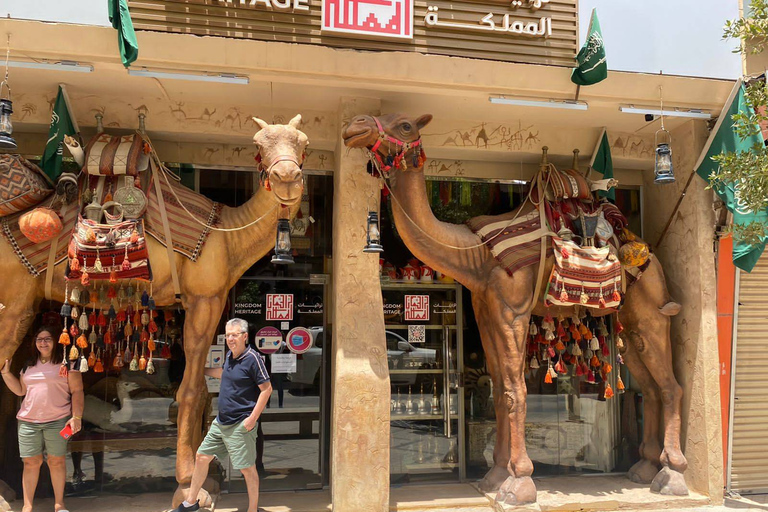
78	401
15	385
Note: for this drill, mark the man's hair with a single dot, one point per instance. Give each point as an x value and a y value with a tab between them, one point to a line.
239	323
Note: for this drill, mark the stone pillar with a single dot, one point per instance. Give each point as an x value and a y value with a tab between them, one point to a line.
687	255
360	376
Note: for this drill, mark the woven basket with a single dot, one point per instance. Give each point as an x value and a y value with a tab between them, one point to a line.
22	184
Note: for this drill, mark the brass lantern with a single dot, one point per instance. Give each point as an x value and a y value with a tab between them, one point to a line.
6	127
283	254
663	166
373	235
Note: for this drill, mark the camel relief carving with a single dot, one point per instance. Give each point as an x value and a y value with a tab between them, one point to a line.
205	283
504	303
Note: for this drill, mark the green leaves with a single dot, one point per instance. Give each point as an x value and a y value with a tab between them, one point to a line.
752	30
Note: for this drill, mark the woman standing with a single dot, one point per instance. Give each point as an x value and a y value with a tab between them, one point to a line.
53	399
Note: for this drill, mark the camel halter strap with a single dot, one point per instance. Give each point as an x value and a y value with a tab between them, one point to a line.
399	158
265	173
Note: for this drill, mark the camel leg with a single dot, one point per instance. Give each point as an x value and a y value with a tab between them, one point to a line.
647	467
499	472
202	318
15	321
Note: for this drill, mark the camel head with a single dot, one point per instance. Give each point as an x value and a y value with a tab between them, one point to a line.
387	139
280	155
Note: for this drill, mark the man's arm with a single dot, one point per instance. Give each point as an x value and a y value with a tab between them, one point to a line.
214	372
261	403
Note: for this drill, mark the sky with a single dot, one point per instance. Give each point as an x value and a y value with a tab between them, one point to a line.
678	37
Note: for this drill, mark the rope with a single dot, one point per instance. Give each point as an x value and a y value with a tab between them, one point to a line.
449	246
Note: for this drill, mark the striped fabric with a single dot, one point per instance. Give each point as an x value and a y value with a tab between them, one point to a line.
516	245
588	276
106	155
188	236
34	256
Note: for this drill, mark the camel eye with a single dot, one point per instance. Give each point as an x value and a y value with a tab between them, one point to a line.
407	127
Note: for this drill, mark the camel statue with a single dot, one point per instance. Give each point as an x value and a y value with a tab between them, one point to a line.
205	283
504	304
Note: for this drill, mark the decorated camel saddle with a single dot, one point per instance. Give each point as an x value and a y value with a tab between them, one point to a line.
594	256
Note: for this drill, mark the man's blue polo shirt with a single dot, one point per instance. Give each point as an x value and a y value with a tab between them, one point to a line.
240	380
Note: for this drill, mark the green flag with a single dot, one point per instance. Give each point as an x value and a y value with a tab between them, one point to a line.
603	163
592	67
120	18
723	139
62	123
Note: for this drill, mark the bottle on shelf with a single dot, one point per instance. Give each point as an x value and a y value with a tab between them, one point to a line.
409	404
420	405
435	398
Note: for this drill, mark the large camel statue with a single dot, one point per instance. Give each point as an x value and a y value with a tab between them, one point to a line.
205	283
504	303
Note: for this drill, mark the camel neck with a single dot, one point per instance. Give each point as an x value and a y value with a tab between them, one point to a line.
430	240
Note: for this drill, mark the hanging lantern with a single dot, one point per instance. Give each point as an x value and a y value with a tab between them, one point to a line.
663	167
373	236
283	244
6	109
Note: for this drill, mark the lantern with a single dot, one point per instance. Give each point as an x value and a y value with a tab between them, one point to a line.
6	127
283	243
373	236
663	167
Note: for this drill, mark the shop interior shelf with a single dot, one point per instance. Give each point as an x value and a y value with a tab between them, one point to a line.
420	417
415	372
394	285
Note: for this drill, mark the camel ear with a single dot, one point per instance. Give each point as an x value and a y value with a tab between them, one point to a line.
262	124
423	121
295	122
671	308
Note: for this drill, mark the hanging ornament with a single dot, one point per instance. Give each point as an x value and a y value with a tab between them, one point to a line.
101	320
534	364
74	264
144	318
63	370
594	362
85	297
112	314
73	353
74	297
73	330
591	377
560	330
125	266
550	352
576	350
66	310
129	291
594	344
82	341
559	346
608	394
151	304
144	338
134	366
75	314
606	351
142	361
111	292
549	335
620	384
97	266
165	352
121	294
121	316
128	329
145	299
150	365
83	364
533	330
151	345
98	367
579	369
134	236
548	376
153	328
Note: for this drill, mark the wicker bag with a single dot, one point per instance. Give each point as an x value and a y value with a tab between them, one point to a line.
22	184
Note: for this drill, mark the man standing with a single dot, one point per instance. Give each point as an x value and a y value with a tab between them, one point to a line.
245	389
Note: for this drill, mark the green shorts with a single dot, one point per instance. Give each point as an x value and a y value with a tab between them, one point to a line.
232	440
34	438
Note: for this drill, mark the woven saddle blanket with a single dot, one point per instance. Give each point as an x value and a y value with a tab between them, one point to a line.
189	237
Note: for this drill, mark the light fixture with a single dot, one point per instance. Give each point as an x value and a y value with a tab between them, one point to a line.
373	236
693	113
663	166
522	102
62	65
283	254
225	78
6	108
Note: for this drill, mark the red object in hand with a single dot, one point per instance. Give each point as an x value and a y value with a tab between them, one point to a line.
66	432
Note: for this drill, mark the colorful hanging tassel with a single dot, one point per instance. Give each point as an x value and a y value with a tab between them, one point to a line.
595	362
151	345
594	344
101	320
83	364
92	338
66	310
73	353
125	266
150	365
548	377
82	341
620	384
92	357
99	366
608	394
559	346
591	377
578	369
616	296
134	366
128	330
111	292
85	297
165	352
606	350
75	314
85	279
142	362
550	352
563	295
121	316
533	330
134	236
63	370
560	367
619	327
64	338
145	299
83	322
533	365
74	264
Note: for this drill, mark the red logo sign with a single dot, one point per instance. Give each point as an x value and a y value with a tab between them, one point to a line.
380	18
279	307
416	308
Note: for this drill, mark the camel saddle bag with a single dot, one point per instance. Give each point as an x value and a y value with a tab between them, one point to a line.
567	184
108	155
22	184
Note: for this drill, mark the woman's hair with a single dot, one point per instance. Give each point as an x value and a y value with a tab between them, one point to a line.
57	356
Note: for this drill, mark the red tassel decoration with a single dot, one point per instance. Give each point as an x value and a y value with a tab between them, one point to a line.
595	361
550	352
591	377
92	319
113	276
616	296
85	279
606	350
144	336
112	291
608	391
151	345
121	316
548	378
152	326
64	337
74	264
620	384
560	330
73	330
134	236
165	352
619	327
101	320
99	366
579	371
126	265
559	346
560	367
82	341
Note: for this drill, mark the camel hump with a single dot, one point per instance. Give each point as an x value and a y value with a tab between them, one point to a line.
671	308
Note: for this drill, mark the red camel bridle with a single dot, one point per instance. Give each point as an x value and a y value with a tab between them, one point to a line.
398	160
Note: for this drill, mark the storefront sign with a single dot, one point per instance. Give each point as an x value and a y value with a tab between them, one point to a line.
248	308
279	307
299	340
283	363
377	18
391	309
268	340
279	5
416	308
496	22
444	309
307	308
417	334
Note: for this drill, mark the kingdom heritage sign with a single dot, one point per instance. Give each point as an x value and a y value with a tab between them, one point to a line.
528	31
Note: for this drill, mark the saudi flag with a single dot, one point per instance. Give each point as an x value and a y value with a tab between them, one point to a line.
62	123
592	67
723	139
603	163
120	17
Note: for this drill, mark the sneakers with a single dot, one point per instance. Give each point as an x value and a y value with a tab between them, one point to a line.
182	508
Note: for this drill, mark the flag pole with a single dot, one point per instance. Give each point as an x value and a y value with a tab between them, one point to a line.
578	91
69	107
674	210
594	152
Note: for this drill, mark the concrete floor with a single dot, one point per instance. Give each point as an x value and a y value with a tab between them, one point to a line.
555	494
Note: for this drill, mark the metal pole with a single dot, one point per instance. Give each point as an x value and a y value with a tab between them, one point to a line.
734	341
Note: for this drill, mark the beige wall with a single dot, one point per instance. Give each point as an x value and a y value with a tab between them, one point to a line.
687	255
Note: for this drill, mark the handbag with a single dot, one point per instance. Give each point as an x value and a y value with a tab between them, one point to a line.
22	184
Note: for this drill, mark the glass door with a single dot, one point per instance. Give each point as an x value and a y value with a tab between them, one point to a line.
423	340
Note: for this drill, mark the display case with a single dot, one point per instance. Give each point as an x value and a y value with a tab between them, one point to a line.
423	324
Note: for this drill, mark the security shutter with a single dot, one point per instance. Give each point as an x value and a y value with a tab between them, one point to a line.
749	462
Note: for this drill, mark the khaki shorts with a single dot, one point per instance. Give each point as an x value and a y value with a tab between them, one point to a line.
34	438
232	440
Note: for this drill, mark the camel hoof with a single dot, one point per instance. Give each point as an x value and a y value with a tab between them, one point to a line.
643	472
181	494
517	491
669	483
493	479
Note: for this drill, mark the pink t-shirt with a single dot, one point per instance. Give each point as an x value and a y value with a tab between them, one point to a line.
48	397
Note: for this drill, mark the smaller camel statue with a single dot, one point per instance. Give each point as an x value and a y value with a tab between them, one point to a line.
504	303
232	248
